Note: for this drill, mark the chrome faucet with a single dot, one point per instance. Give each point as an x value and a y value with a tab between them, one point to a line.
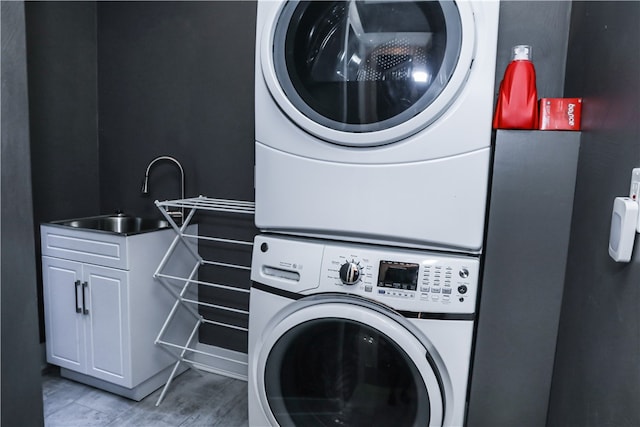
145	183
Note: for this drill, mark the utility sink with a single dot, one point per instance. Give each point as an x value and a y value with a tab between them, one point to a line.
116	223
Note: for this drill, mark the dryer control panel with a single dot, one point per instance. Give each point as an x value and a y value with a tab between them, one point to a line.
404	279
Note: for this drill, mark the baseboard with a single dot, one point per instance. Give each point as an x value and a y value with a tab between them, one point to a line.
137	393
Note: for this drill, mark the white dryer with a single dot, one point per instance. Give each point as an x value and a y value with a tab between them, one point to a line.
356	335
373	120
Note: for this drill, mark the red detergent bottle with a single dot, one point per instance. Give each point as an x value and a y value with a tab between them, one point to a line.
517	106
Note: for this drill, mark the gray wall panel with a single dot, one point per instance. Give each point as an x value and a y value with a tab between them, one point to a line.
21	392
525	258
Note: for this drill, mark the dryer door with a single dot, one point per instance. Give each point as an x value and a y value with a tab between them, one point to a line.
343	361
365	73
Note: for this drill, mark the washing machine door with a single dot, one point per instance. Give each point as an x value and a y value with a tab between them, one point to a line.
366	73
341	361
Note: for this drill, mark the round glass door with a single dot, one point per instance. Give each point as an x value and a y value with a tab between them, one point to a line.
324	370
368	66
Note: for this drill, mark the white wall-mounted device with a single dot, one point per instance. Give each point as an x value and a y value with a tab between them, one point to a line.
625	221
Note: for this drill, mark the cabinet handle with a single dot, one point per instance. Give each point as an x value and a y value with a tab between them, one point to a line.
84	303
75	293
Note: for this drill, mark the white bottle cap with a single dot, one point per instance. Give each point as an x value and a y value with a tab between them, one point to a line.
522	53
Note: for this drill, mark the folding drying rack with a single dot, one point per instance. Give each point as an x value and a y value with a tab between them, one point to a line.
201	203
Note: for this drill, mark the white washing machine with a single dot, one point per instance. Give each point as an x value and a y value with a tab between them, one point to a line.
373	120
344	334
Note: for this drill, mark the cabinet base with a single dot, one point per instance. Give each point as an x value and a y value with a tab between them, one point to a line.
136	393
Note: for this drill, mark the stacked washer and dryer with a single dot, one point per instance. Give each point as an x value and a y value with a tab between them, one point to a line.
373	147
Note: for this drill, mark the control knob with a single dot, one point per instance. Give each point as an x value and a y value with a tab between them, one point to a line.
350	272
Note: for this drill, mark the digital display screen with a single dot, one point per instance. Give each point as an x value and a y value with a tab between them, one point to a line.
398	275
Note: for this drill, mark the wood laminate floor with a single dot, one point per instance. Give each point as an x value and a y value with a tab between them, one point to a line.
192	401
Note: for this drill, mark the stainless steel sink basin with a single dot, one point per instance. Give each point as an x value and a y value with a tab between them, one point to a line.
116	223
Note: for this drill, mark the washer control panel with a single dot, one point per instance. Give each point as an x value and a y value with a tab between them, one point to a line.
404	279
401	278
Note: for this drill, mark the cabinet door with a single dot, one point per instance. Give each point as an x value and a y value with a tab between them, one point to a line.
107	329
64	321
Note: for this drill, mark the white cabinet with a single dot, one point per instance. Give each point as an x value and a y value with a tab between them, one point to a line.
103	308
87	320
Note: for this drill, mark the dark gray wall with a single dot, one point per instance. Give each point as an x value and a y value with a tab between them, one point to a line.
176	78
596	379
115	84
21	392
597	374
61	42
61	45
